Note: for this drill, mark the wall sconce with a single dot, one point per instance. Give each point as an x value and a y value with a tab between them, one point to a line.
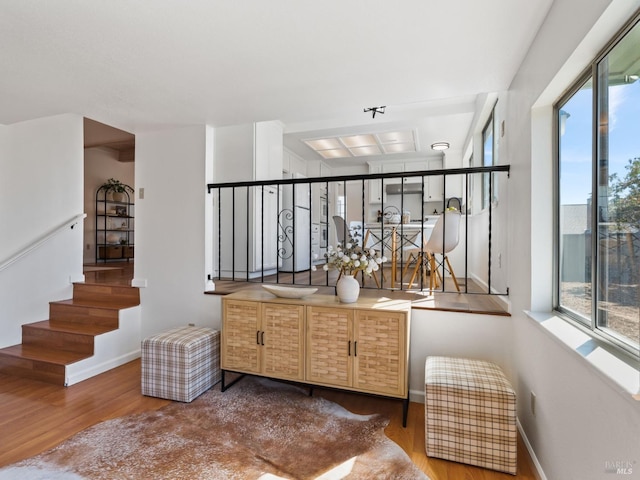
439	146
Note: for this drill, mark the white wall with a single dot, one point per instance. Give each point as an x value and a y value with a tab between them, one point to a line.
582	420
41	164
172	166
433	332
100	164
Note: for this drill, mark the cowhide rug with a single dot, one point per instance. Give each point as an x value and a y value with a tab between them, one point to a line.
257	429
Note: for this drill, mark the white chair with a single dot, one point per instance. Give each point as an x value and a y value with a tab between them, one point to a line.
341	229
443	239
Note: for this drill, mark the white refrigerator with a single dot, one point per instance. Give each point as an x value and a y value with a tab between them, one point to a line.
295	227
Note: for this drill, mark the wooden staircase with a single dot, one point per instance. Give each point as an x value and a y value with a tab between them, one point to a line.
68	336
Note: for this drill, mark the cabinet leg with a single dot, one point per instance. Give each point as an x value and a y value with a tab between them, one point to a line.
224	386
405	411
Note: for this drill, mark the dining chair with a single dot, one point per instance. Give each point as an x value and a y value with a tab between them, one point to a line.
443	239
341	229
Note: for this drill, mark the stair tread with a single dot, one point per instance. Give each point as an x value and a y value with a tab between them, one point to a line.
30	352
108	304
71	327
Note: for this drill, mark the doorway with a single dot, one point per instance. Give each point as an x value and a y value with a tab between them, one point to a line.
109	153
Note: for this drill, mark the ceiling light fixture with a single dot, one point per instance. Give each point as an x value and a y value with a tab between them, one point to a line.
375	110
440	146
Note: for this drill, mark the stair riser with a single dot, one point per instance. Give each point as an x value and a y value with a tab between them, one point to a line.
70	342
87	315
115	293
34	369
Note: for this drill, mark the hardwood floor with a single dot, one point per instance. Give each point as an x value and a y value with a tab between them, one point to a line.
36	416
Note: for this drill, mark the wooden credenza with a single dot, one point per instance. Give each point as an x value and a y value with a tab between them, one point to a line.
316	340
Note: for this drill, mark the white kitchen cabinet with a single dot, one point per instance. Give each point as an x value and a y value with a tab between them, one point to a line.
376	194
434	186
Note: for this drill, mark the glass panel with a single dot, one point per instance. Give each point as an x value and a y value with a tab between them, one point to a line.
575	174
619	189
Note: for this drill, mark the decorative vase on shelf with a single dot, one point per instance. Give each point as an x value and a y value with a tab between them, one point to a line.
118	196
347	289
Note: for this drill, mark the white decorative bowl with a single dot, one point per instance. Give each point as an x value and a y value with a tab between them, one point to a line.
289	292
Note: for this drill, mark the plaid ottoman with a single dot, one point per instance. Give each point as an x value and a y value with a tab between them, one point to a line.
470	413
181	363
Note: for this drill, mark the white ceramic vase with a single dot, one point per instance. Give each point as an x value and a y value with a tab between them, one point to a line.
347	289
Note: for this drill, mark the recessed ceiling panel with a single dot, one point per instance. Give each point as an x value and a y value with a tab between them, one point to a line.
323	143
335	153
365	151
364	144
399	148
358	141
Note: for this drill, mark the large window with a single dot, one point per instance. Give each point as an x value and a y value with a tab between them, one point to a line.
598	197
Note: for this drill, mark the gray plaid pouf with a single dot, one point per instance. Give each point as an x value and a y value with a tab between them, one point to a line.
181	363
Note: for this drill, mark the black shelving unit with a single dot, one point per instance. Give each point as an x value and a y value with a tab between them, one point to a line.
114	225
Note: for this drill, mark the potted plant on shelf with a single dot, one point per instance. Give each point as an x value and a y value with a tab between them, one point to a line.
117	189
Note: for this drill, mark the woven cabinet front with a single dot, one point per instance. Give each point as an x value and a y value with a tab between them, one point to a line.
181	363
470	413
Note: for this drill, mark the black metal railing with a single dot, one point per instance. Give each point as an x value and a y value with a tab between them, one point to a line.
277	231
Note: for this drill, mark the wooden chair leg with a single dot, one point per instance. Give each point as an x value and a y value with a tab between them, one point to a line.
424	272
432	273
406	265
413	275
453	276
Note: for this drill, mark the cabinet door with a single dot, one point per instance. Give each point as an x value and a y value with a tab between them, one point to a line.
435	190
283	349
329	347
375	185
380	361
239	346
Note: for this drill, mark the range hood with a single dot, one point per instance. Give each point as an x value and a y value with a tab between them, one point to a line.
404	188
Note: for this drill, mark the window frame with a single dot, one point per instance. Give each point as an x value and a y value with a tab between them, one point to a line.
588	325
488	177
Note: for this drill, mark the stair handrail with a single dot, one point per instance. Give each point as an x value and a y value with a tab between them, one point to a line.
39	241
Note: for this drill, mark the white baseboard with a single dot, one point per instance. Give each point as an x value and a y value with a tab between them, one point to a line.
538	468
416	396
503	300
93	370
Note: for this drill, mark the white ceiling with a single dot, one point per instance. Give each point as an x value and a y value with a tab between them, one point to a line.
143	65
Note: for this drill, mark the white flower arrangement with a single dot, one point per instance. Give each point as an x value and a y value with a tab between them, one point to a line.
352	258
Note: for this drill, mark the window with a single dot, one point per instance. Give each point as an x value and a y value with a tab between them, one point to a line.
598	195
488	159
